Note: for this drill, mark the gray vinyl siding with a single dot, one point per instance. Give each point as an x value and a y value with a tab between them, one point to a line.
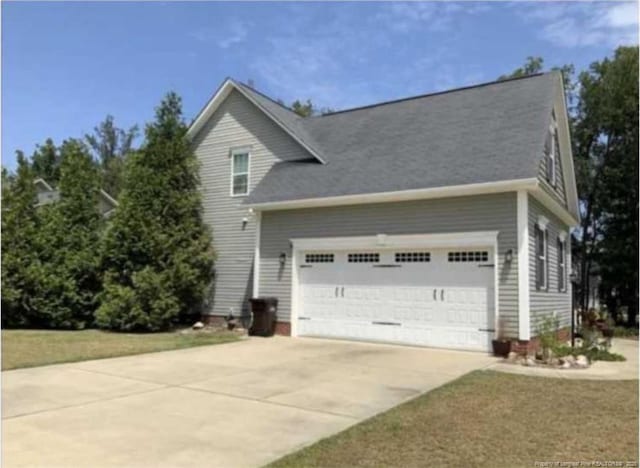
236	123
547	302
496	212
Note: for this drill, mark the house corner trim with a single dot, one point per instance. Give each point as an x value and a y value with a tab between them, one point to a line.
524	326
256	256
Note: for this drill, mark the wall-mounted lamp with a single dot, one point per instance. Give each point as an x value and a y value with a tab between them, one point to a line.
245	220
282	258
573	277
508	256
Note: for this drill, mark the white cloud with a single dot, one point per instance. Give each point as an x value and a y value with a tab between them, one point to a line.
235	33
623	15
340	63
433	16
583	24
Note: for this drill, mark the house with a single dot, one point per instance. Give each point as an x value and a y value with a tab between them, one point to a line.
47	194
426	221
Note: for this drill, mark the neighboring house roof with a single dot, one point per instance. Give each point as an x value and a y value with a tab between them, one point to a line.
492	133
47	195
42	185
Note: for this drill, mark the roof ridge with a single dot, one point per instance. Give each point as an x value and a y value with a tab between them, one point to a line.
437	93
252	89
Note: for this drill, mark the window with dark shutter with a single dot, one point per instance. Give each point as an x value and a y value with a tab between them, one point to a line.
541	259
562	269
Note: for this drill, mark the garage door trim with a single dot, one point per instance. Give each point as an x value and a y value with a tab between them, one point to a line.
442	240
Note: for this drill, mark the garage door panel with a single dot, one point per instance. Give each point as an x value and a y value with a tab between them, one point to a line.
427	303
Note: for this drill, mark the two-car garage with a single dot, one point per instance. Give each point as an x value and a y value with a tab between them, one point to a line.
431	290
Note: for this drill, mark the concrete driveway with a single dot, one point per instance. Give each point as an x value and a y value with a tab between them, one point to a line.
239	404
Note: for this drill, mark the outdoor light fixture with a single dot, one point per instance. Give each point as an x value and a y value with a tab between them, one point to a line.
282	258
508	256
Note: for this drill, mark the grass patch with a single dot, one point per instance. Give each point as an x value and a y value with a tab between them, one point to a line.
489	418
624	332
29	348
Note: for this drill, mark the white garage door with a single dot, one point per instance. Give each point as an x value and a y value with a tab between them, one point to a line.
429	297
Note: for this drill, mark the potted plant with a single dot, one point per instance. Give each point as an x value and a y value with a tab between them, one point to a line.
501	344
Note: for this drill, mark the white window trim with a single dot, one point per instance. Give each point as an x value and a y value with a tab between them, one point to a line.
562	262
232	154
545	259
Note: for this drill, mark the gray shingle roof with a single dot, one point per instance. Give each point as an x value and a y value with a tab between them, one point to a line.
487	133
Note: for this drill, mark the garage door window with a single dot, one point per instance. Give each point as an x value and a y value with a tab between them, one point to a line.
409	257
475	256
363	257
318	258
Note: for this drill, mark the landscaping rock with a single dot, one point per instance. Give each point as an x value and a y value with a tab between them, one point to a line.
530	362
570	359
513	356
565	365
198	326
581	362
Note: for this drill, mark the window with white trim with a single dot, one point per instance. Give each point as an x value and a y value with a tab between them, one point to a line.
542	263
562	265
239	172
550	150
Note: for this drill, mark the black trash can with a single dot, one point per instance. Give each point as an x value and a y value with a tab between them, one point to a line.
263	312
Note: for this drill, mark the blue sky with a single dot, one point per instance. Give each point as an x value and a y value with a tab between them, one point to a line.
65	66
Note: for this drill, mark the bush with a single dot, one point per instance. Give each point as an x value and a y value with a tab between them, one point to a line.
598	354
157	251
592	353
548	334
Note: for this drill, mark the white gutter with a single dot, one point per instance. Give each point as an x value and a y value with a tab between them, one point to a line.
402	195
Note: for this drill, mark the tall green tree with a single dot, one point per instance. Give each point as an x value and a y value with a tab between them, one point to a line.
67	245
532	66
45	162
19	229
303	109
158	257
605	134
111	145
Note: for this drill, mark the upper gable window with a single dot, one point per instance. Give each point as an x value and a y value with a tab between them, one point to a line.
239	172
550	150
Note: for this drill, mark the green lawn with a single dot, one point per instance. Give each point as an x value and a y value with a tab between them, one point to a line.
28	348
488	419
